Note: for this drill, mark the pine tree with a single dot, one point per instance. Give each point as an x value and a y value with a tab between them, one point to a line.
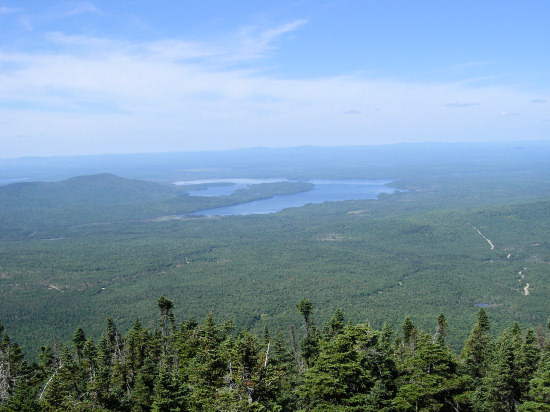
79	338
61	390
207	369
538	397
384	340
12	365
408	330
500	384
441	331
527	362
23	398
336	324
341	376
474	356
143	391
170	394
166	323
110	344
429	379
305	307
281	376
309	346
137	345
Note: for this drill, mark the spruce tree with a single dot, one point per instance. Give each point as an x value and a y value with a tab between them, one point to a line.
476	351
170	394
538	397
500	384
429	378
79	338
341	376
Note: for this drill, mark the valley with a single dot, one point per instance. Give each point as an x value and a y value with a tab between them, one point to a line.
75	252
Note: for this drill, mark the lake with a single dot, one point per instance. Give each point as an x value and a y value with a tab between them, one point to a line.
323	191
224	187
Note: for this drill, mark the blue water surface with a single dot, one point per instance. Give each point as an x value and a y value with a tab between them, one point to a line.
323	191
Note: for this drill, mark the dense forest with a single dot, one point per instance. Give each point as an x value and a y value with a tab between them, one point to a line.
87	248
467	229
376	260
339	366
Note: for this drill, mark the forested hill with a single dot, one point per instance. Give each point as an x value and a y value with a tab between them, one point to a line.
469	227
93	190
192	366
50	209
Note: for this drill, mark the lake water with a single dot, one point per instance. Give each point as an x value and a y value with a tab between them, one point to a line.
323	191
224	187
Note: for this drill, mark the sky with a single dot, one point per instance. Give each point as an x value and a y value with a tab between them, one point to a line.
97	77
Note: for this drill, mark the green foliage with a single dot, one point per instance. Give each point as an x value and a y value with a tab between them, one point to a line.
429	378
197	367
538	397
475	355
76	252
375	260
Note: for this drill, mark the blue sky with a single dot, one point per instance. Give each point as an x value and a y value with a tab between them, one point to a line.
91	77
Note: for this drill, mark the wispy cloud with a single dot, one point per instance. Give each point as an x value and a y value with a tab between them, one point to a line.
538	101
80	44
460	104
256	42
509	114
97	95
8	10
83	7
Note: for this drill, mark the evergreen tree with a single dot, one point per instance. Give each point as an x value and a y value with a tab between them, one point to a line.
384	340
408	330
352	368
305	307
500	385
441	330
527	362
429	379
110	344
336	324
474	356
79	339
341	377
207	369
282	377
23	398
538	397
170	394
309	346
143	391
89	362
12	365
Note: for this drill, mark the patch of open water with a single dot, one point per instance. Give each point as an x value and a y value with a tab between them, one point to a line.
323	191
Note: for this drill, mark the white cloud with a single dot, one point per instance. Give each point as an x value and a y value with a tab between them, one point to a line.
8	10
256	42
100	95
80	45
455	105
83	7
